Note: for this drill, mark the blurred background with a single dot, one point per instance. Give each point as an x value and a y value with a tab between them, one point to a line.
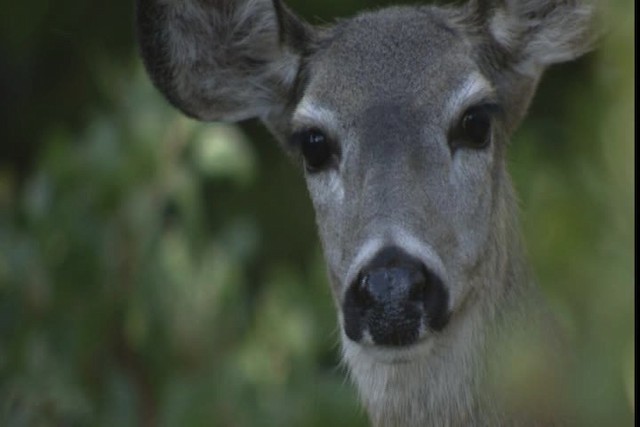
156	271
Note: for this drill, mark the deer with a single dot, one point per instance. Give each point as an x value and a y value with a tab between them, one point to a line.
400	119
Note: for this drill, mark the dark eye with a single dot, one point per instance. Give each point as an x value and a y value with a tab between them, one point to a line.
316	148
475	127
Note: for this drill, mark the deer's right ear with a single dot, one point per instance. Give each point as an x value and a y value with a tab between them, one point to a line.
222	59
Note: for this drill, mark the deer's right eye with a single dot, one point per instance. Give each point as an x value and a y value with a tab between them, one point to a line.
316	149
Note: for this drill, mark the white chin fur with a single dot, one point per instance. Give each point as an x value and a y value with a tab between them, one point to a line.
369	353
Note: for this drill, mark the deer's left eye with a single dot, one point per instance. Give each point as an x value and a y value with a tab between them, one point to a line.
474	128
476	125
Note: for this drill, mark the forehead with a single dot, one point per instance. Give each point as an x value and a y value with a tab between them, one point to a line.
401	54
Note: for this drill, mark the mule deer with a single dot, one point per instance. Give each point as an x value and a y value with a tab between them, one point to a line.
400	118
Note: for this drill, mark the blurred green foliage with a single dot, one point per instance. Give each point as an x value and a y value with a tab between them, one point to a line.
158	271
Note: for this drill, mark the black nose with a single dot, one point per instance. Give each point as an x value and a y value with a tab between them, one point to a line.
394	299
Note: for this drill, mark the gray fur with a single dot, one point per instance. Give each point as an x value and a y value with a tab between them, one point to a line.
240	40
388	86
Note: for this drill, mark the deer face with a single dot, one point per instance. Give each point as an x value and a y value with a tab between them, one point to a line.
403	163
400	120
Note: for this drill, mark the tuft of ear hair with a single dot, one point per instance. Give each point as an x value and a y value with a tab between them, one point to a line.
537	33
220	59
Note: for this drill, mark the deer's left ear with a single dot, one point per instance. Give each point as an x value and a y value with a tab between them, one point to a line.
516	40
537	33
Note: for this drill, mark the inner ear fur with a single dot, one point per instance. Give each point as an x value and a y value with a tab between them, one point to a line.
516	40
539	33
224	60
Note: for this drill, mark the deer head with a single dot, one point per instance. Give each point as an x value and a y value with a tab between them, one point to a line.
400	119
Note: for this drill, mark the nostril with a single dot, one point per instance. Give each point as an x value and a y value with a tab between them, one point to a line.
418	290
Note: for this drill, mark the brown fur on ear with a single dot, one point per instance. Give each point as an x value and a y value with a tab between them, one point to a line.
294	32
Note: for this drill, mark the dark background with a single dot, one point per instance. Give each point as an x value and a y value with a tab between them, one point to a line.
159	271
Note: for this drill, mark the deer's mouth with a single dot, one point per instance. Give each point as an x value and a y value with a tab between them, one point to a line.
394	301
388	355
